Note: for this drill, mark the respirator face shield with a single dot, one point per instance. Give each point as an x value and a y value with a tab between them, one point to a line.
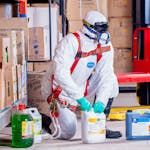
100	30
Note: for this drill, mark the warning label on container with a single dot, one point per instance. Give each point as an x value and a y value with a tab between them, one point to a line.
141	127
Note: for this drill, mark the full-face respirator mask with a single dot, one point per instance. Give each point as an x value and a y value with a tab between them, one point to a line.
100	30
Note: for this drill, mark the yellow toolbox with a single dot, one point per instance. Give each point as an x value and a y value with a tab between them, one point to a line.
119	113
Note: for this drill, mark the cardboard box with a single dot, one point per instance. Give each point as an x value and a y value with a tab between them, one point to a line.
6	88
4	49
20	47
24	79
121	32
34	84
74	25
38	44
37	17
5	10
8	85
122	60
30	66
14	82
19	81
17	24
41	66
120	8
35	97
77	9
2	88
13	45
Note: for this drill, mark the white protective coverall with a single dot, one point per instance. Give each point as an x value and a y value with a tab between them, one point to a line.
103	82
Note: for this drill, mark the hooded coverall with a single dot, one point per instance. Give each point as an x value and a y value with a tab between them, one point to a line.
102	83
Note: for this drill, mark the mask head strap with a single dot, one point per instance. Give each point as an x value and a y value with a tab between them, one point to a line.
89	28
87	24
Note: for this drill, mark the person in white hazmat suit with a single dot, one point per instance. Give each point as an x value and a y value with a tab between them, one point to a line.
83	71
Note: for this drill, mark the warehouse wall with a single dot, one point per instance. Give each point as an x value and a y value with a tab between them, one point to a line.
120	19
119	16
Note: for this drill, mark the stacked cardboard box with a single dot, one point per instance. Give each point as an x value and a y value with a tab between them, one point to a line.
39	44
21	66
12	53
7	86
30	66
20	47
4	49
39	49
39	33
35	78
119	8
2	93
16	24
16	56
122	60
12	65
121	32
120	19
77	9
41	66
38	66
119	14
35	97
5	73
5	10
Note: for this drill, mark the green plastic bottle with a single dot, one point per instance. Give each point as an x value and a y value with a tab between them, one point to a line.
22	128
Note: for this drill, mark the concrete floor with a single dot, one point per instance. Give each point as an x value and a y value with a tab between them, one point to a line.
76	142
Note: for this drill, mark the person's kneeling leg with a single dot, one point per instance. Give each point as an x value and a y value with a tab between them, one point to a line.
110	133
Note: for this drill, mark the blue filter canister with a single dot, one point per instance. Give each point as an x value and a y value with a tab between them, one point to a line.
138	124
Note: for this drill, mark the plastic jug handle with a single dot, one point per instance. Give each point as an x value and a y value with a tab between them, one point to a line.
33	110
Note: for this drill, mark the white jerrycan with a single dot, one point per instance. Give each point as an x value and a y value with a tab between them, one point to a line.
93	127
37	124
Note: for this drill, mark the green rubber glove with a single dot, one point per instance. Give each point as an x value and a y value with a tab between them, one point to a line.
98	107
84	104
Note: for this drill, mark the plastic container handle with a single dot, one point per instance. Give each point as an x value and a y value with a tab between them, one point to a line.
33	110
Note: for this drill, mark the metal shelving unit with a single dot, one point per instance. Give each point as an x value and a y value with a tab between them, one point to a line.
5	114
61	4
50	39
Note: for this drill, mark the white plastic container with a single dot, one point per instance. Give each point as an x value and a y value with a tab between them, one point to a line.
37	124
93	127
